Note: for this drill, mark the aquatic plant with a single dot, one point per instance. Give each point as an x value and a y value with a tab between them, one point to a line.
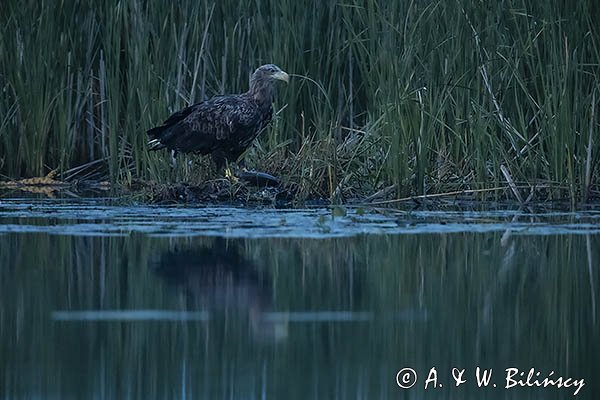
390	99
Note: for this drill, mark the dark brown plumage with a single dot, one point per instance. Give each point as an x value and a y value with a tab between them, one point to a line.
223	126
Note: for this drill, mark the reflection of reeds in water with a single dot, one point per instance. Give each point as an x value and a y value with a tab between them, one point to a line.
417	97
486	305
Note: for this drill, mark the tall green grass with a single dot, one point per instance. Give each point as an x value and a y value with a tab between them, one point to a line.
426	96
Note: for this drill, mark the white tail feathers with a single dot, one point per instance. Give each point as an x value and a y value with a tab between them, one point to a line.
155	144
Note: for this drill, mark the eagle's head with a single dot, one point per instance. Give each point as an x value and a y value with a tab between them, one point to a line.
270	72
262	86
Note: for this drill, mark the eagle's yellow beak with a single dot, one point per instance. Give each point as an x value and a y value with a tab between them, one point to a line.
282	76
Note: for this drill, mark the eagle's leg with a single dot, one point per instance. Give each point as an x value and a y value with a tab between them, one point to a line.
229	173
173	162
222	163
173	158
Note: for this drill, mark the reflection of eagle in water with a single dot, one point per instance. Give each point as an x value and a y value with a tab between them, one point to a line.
220	279
223	126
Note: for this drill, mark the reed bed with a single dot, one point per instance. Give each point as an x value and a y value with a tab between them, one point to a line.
387	100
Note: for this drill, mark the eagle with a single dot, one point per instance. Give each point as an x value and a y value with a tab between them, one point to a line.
223	126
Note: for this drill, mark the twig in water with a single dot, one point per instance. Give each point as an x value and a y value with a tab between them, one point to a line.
445	194
512	185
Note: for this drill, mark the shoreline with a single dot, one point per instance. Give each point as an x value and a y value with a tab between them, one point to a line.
223	192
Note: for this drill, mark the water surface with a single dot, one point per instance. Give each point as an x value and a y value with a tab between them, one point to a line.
104	301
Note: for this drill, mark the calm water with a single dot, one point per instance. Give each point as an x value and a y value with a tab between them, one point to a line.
107	302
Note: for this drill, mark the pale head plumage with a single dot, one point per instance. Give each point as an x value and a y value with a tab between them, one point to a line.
262	83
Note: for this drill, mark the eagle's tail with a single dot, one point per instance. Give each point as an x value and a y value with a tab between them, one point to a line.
155	144
156	136
167	134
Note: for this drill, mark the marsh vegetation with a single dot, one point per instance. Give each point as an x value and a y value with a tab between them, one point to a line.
394	99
